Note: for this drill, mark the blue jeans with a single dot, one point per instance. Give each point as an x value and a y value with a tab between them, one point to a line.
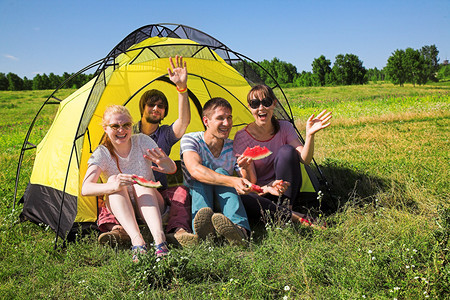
229	202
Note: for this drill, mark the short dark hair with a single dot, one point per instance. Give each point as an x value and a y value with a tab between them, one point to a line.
150	97
212	104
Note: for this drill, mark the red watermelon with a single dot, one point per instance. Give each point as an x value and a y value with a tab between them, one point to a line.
257	189
147	183
257	152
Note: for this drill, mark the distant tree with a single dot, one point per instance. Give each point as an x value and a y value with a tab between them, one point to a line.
307	79
27	83
4	83
417	69
444	72
430	54
375	75
15	83
321	67
396	70
348	69
54	81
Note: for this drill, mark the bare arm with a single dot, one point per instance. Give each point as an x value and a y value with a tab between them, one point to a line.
178	75
313	125
193	164
91	187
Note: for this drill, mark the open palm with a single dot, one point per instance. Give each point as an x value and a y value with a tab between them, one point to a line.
320	122
178	73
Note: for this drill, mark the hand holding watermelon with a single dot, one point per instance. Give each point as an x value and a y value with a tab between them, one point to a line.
277	187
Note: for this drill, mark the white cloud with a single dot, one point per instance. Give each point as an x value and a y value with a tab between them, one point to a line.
11	57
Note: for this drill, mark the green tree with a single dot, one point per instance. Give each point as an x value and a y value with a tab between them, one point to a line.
348	69
396	70
27	83
444	72
430	54
321	67
4	83
416	67
15	83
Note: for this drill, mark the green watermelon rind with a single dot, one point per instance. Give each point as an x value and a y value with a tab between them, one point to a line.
147	183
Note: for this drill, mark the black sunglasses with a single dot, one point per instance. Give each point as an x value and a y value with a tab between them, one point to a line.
255	103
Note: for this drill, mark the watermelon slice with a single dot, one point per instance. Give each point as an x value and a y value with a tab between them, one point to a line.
257	189
147	183
257	152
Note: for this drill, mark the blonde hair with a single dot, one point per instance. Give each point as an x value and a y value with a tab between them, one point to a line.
110	110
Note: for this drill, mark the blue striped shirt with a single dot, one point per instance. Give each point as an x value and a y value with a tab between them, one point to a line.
195	141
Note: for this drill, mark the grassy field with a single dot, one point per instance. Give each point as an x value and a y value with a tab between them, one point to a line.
386	158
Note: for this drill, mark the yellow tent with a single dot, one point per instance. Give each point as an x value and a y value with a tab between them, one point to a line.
135	65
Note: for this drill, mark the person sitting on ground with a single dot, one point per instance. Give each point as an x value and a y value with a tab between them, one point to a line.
207	163
120	157
154	107
281	138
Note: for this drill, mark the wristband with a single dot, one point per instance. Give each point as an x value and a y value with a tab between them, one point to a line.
182	91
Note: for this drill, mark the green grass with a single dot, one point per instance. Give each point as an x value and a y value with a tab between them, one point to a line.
386	159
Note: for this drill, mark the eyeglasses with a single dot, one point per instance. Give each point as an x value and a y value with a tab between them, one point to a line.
255	103
116	127
159	105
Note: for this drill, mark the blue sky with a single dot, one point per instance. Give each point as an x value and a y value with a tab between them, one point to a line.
65	36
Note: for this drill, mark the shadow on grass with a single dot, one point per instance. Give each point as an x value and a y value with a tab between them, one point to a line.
349	186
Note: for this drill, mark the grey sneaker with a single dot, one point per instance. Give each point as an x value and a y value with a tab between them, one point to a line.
203	226
233	233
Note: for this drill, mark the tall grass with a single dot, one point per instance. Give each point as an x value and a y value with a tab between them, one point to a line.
386	158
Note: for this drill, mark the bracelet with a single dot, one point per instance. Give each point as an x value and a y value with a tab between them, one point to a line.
182	91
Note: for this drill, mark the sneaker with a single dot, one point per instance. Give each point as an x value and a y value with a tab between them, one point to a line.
138	251
203	226
114	238
234	234
161	249
185	239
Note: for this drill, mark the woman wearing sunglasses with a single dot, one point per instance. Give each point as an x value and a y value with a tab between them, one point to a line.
120	157
281	138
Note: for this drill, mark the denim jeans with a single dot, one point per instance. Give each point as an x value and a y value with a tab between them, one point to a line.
228	201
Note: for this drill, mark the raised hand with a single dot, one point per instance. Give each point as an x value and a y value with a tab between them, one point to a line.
315	124
178	73
164	163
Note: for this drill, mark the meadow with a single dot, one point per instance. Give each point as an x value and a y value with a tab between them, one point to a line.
386	160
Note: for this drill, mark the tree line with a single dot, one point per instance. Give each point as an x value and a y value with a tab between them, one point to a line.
12	82
403	66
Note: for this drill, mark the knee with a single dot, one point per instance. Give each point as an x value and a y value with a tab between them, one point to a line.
288	153
112	178
221	171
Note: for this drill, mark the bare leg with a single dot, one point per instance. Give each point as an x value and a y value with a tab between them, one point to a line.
150	205
120	205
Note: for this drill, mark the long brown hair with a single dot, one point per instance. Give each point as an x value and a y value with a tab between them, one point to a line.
263	91
106	141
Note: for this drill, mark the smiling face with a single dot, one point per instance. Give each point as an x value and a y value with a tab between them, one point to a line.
154	113
262	113
118	127
219	122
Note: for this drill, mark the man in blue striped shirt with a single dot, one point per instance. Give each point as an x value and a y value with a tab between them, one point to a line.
208	163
